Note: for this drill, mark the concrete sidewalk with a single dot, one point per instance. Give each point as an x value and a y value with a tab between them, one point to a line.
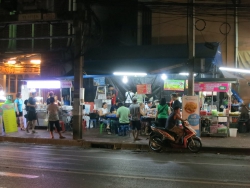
92	138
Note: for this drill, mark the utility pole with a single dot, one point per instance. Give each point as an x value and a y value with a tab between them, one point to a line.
78	65
191	45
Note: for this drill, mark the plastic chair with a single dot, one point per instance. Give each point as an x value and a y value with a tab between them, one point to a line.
94	121
84	127
102	126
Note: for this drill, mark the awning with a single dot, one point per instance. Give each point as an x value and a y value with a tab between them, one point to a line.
171	58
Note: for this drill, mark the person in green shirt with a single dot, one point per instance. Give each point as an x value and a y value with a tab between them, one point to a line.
162	112
123	114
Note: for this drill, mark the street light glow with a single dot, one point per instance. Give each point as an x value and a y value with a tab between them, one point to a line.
185	74
164	77
125	79
234	70
130	74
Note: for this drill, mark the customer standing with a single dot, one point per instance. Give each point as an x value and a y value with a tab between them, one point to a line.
135	118
162	113
176	102
112	94
19	110
32	118
53	118
123	114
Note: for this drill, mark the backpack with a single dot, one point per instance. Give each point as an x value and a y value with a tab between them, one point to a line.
26	103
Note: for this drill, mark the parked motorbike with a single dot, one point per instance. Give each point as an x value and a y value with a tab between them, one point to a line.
161	138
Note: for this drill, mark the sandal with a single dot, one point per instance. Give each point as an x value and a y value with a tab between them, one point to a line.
22	129
61	137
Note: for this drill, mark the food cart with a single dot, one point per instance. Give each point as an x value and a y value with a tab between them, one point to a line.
63	88
214	122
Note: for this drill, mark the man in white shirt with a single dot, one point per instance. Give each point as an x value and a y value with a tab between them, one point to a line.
86	117
129	96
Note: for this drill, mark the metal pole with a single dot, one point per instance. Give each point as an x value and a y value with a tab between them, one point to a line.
78	80
191	46
236	34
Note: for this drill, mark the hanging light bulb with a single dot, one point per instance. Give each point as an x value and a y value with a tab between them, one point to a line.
125	79
164	77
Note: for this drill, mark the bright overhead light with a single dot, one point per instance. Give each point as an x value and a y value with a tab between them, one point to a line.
164	77
12	62
125	79
35	61
235	70
185	74
130	74
44	84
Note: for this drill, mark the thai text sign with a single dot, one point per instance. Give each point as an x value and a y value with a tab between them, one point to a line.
144	89
216	87
174	85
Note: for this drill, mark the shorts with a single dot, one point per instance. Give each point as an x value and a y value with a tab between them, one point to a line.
136	125
177	130
31	116
57	125
20	114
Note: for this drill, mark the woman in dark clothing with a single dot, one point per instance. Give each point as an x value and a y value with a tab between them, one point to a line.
162	112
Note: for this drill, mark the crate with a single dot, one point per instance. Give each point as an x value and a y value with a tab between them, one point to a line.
222	130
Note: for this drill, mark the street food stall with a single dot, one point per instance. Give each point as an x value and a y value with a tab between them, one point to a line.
215	122
42	87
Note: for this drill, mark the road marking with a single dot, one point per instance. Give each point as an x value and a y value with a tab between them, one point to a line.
130	159
10	174
96	173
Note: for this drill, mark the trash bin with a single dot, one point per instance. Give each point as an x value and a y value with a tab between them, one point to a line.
233	132
243	125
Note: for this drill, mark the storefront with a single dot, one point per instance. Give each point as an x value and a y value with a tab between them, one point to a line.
61	89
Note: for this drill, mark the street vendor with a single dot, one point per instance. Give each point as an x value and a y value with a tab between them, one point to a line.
111	94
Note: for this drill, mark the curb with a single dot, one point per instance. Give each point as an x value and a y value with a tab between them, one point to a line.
116	146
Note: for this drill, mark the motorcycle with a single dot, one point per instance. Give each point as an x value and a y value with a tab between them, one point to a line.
160	138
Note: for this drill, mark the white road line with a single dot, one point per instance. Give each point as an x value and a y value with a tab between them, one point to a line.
10	174
96	173
45	160
139	159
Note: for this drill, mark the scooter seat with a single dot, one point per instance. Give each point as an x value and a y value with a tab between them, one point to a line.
168	131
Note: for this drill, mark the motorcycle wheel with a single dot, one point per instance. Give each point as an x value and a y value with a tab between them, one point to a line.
194	145
154	145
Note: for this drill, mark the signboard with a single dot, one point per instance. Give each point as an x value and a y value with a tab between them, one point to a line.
216	87
191	111
174	85
144	89
30	17
100	81
66	84
19	70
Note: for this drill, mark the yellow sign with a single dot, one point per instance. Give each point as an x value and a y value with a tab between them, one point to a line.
19	70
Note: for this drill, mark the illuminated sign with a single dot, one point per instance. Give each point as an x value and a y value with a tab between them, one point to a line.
4	69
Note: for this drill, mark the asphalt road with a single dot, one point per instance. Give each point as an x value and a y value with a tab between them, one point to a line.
28	166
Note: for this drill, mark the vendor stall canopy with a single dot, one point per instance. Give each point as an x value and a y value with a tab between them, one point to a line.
154	59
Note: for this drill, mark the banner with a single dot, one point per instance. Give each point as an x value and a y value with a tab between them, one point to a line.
191	111
144	89
66	84
216	87
174	85
100	81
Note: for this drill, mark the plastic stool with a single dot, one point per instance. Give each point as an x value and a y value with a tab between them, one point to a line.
94	121
102	126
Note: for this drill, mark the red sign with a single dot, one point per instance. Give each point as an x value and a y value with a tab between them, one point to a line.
144	89
216	87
